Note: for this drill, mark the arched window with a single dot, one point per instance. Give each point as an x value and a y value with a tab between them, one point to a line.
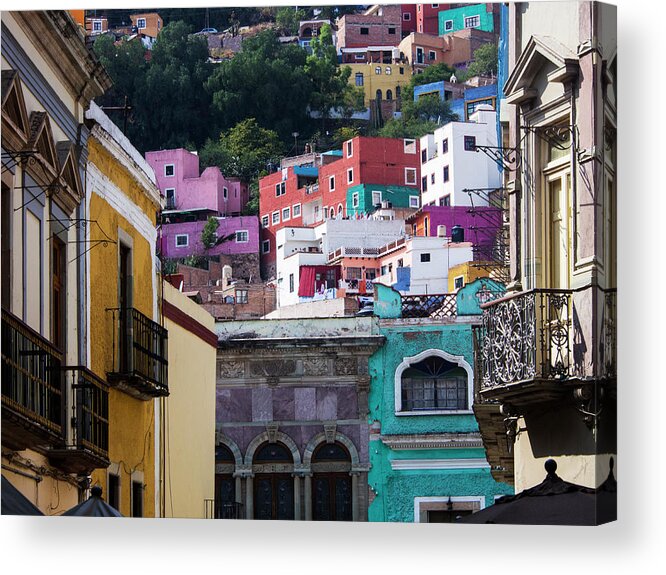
378	95
389	95
434	383
273	465
331	483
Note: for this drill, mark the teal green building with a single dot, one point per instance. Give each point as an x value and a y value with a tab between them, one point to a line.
469	16
364	198
427	458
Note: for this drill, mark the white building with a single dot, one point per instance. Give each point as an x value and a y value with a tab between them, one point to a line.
428	260
450	162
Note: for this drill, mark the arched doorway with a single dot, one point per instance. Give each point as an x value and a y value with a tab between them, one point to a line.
273	466
226	506
389	95
332	483
378	95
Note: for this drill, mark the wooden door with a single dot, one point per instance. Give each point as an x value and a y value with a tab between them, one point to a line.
274	497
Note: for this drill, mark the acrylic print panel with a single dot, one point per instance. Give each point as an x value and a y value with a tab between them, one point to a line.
334	263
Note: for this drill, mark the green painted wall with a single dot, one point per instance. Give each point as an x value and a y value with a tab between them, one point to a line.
458	16
397	195
393	491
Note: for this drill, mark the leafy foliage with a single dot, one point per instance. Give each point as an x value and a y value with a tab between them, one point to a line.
485	61
288	18
209	232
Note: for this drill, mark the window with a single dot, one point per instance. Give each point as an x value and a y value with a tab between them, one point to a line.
280	189
413	201
169	170
435	5
472	21
410	176
331	183
419	55
141	23
470	143
378	70
402	72
137	499
350	149
359	56
424	156
387	71
365	31
359	78
97	26
340	209
448	25
355	200
296	210
241	296
170	195
113	491
326	213
445	200
389	95
265	246
182	240
424	183
391	30
432	178
458	282
425	258
378	95
275	218
472	106
376	198
445	146
434	384
409	146
264	221
350	175
242	237
431	55
225	193
446	174
291	283
406	16
286	214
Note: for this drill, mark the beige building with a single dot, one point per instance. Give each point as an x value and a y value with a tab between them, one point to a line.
383	82
188	414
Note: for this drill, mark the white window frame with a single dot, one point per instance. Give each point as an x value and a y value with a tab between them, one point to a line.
349	148
355	200
264	221
378	70
414	201
173	167
448	25
475	19
296	210
406	16
407	143
455	279
420	502
241	232
187	240
373	197
350	175
432	55
331	183
387	70
97	25
173	195
459	360
266	246
412	181
275	220
138	23
288	212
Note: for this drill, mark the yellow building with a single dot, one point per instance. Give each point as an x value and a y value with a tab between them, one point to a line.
54	428
127	340
466	272
380	81
188	414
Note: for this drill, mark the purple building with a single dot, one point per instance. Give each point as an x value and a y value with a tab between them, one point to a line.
480	225
178	178
181	235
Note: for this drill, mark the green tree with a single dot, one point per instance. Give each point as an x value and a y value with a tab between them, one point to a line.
288	19
433	73
330	83
209	232
485	61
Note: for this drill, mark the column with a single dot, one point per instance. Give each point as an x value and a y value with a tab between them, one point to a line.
297	496
249	497
308	496
354	476
239	489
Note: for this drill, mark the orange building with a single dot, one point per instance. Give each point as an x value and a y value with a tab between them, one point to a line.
148	23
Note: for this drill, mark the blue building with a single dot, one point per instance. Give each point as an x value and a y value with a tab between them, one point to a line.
463	107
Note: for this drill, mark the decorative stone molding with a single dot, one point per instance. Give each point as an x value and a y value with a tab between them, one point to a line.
346	366
222	439
272	430
273	367
315	366
263	438
329	431
321	438
435	441
230	369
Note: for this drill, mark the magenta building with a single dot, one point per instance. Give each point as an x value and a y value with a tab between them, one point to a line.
184	188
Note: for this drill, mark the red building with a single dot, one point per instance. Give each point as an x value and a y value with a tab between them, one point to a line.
408	19
378	26
427	17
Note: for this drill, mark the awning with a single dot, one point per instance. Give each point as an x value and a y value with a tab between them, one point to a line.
14	502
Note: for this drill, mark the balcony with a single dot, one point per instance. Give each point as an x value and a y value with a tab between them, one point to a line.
353	251
139	355
223	510
87	445
436	306
32	403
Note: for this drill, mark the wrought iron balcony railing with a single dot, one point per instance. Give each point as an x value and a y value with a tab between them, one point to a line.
435	306
526	337
228	510
139	355
86	445
31	386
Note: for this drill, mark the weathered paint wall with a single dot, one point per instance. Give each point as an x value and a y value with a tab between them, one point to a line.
189	413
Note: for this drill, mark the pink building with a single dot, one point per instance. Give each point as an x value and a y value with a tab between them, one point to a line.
178	178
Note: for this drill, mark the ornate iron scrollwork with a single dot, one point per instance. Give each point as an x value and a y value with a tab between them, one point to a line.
505	158
559	137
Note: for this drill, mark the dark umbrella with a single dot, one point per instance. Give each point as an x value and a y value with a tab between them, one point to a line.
14	502
95	506
553	502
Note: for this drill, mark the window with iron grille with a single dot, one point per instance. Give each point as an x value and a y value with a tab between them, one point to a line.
472	22
470	143
434	383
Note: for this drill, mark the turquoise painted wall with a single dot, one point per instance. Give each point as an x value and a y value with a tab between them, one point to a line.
394	490
397	195
458	15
